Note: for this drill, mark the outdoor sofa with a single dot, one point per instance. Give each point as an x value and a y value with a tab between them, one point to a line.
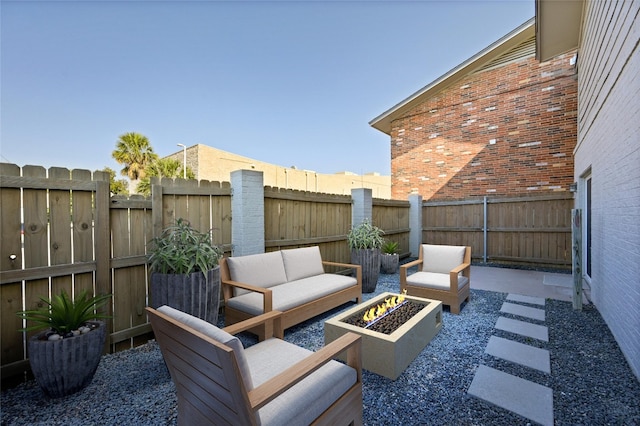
291	281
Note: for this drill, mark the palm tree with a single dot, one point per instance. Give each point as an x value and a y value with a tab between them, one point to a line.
119	186
162	168
134	151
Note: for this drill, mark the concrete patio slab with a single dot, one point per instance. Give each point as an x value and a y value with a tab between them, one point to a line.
523	311
523	328
558	280
519	353
525	282
523	397
525	299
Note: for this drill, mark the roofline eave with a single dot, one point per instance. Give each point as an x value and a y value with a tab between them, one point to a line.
518	35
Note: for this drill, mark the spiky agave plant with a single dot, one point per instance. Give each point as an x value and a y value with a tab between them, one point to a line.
182	249
64	315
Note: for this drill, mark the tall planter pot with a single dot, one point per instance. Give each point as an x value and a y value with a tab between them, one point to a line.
64	367
193	293
369	259
389	263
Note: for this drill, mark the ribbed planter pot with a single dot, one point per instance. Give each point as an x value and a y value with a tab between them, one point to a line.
389	263
369	259
64	367
193	293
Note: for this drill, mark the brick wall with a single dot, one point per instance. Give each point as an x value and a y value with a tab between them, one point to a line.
509	130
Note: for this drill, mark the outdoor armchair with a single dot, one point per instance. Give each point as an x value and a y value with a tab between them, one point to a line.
444	273
218	381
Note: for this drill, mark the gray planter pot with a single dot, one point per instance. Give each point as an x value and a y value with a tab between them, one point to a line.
369	259
66	366
389	263
194	293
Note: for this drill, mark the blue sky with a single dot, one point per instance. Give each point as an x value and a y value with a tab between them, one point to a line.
289	82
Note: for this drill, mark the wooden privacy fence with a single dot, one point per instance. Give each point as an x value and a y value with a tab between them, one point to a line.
67	232
393	217
61	230
526	231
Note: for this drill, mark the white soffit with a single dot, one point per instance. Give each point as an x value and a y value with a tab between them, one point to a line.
557	27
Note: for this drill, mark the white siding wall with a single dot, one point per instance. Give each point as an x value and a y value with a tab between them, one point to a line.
609	144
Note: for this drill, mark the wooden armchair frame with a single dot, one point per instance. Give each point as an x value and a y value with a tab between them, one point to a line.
209	382
453	296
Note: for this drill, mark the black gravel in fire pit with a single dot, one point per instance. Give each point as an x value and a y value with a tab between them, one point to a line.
389	323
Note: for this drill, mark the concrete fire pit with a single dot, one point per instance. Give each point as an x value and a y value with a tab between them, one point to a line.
389	354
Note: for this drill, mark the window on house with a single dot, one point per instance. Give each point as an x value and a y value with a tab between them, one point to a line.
586	238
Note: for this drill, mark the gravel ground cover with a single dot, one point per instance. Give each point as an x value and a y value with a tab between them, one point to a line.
591	380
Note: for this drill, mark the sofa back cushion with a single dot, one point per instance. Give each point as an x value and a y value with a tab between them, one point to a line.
302	263
441	259
262	270
216	334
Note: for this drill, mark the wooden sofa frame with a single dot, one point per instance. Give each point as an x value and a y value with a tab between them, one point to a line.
205	373
293	316
454	296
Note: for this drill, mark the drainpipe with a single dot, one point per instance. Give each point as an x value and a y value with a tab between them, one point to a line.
484	229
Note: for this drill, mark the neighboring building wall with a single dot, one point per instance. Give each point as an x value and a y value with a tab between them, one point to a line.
216	165
609	149
507	129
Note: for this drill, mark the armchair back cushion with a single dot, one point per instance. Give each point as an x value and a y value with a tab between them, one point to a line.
218	335
262	270
441	259
302	262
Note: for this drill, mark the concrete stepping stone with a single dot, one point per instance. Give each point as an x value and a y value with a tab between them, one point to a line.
523	311
532	300
523	397
519	353
523	328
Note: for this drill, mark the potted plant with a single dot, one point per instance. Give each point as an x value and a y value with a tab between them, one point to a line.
365	241
65	357
184	271
390	259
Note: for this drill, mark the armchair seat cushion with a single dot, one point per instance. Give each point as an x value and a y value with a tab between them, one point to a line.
306	400
435	280
293	294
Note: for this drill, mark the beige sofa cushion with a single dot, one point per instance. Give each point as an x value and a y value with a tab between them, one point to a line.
441	259
302	262
293	294
216	334
306	400
262	270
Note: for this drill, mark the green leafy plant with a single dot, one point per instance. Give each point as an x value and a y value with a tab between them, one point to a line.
181	249
64	315
365	236
390	247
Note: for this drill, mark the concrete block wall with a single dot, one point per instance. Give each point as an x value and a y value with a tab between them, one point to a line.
216	165
509	130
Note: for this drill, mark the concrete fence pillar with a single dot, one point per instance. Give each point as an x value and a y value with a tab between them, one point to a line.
415	223
362	207
247	207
